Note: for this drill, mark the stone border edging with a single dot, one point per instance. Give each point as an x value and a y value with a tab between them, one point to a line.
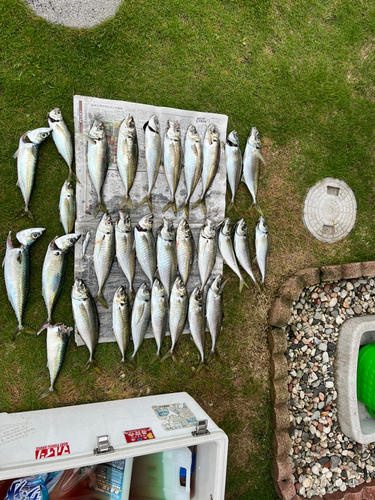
278	318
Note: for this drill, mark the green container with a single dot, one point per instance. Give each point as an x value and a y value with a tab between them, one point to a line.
366	377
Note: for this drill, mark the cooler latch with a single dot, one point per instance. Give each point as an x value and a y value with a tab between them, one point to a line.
103	445
201	428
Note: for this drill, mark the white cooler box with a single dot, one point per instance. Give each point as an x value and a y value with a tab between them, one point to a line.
192	465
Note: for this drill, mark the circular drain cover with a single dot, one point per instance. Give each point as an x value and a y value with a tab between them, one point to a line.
330	210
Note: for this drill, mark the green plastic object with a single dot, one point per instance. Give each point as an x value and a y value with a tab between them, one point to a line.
366	377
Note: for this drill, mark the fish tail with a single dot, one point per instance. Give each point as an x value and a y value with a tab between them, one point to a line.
126	202
23	329
170	354
170	204
25	212
242	284
201	201
100	206
257	285
202	364
73	175
231	203
215	354
197	203
132	359
127	363
100	297
50	390
147	199
258	209
155	358
91	362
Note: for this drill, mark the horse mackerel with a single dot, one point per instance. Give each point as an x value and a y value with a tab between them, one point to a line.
166	255
172	160
251	165
145	246
242	249
214	312
233	159
185	247
121	313
97	161
127	157
67	206
159	315
125	248
104	252
227	252
196	324
261	246
140	317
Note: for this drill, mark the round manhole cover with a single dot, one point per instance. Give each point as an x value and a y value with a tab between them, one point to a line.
330	210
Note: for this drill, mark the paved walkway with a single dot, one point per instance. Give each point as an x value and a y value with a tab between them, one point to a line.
75	13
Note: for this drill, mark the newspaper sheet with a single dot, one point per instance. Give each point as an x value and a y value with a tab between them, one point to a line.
111	112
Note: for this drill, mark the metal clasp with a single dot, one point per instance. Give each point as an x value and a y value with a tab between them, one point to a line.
201	428
103	445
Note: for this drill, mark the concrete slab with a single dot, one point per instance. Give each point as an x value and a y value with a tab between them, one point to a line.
354	419
75	13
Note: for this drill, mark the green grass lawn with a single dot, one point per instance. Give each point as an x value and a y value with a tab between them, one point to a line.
301	71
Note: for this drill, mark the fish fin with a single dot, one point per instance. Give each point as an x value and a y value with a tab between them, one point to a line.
258	209
145	126
140	313
202	364
215	354
19	257
16	154
204	208
18	184
170	354
126	202
222	144
231	204
126	363
73	175
23	329
170	204
197	203
50	390
132	293
87	137
242	284
243	179
43	327
100	297
155	358
258	155
132	360
100	206
91	362
147	199
22	213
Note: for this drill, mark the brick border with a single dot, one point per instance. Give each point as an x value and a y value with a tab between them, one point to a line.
278	317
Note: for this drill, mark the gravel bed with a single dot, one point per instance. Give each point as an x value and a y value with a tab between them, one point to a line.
324	459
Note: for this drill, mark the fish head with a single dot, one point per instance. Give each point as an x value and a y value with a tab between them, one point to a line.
233	139
209	229
241	227
173	131
127	126
68	189
192	133
218	284
166	230
158	288
59	329
144	292
254	139
146	222
212	134
262	226
55	116
179	288
105	225
80	290
197	296
97	130
153	124
123	222
226	227
183	229
29	236
67	241
38	135
121	297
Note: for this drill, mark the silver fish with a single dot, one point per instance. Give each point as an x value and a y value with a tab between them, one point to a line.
185	247
127	157
27	158
121	313
16	274
85	244
166	255
192	165
58	337
104	252
62	139
153	155
261	246
53	273
97	161
227	251
211	160
233	159
251	165
67	207
214	312
242	250
207	249
159	315
172	160
145	246
86	320
140	317
125	249
196	323
178	306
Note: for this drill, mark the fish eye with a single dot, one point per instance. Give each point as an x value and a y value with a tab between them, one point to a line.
35	235
71	240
